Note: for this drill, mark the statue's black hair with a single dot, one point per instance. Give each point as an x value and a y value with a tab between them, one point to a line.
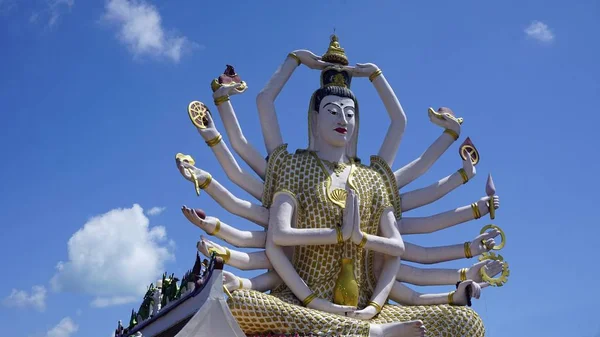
332	91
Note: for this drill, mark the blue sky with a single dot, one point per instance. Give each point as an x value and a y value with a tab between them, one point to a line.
93	98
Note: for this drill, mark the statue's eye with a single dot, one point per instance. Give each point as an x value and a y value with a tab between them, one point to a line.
333	112
349	115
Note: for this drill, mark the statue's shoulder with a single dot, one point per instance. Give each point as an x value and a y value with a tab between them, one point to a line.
389	180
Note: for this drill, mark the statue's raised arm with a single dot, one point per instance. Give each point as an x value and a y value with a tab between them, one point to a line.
392	139
265	101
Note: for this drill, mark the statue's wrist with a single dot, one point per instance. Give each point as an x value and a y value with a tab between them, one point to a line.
221	99
476	210
375	74
463	175
462	274
294	57
467	249
452	133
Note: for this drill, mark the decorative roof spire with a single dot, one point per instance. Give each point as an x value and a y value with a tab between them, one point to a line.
335	53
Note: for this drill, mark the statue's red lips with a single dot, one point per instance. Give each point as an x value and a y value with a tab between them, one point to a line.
342	130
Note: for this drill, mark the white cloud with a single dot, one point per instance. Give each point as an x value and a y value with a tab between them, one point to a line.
140	29
21	299
65	328
103	302
155	210
539	31
114	255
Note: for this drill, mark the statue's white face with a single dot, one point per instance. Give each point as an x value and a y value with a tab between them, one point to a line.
336	120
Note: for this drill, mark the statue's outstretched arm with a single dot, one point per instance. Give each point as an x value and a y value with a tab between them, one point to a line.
234	131
284	234
431	193
435	277
281	216
429	255
262	282
255	213
228	162
392	139
420	225
444	118
225	232
406	296
235	258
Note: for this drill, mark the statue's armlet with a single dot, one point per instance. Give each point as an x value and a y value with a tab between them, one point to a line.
275	165
389	181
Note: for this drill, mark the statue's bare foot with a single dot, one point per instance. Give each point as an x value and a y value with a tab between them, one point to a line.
404	329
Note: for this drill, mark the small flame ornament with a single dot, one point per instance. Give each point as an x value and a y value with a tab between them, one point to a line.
490	190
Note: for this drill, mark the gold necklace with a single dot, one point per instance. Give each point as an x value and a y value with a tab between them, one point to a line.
337	168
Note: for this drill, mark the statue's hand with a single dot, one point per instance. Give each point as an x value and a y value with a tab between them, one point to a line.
349	218
326	306
484	204
363	69
469	168
357	234
186	170
491	267
311	60
365	314
208	224
484	242
445	120
205	247
230	89
460	295
230	281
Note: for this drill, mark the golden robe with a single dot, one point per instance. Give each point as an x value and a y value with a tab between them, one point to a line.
304	176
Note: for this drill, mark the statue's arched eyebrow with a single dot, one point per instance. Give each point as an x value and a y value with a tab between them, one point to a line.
332	103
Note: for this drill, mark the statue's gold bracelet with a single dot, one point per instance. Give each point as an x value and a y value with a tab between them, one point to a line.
452	133
464	175
363	242
213	142
206	182
375	74
295	57
217	228
221	99
241	283
340	237
467	247
475	209
376	306
463	274
451	298
309	299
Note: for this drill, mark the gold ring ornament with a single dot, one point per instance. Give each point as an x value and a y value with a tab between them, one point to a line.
494	281
468	148
502	235
187	158
198	113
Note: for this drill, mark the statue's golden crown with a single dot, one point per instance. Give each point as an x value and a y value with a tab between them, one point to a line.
335	75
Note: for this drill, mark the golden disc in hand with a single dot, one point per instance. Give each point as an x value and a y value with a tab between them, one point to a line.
492	226
198	113
468	149
494	281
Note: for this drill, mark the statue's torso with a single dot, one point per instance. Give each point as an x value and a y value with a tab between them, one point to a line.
305	177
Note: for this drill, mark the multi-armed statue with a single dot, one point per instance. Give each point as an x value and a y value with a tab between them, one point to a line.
334	237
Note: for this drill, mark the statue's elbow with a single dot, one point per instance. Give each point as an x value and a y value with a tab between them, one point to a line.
400	249
264	97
